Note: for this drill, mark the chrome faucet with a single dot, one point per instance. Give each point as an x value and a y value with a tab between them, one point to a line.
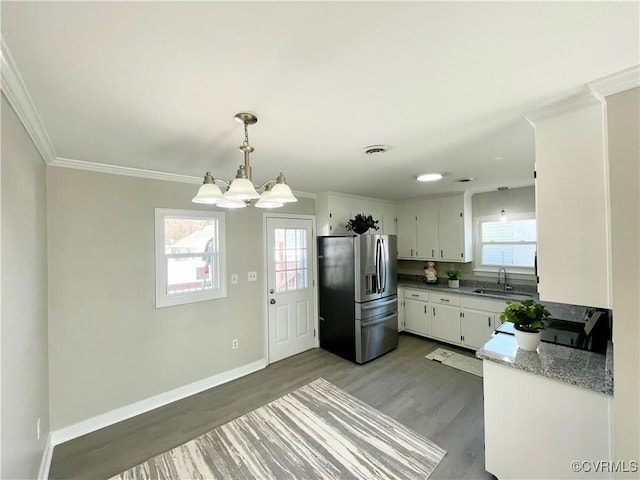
504	285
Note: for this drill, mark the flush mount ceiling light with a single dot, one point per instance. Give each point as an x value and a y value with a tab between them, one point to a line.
241	191
429	177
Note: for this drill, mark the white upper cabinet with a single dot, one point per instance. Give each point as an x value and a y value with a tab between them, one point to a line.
454	228
572	203
335	209
436	229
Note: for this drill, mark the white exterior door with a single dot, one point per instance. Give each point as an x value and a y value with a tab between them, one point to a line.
290	289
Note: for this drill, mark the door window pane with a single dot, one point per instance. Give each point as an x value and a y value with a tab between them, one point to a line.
290	259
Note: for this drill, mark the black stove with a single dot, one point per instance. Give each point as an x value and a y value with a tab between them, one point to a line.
571	334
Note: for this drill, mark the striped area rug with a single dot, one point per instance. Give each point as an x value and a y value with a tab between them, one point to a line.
318	431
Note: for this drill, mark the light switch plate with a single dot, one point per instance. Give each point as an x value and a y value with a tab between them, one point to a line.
234	278
253	276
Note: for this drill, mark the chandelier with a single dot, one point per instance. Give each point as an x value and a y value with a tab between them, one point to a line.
241	191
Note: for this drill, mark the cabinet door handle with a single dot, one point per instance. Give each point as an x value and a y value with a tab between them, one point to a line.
441	254
489	322
415	295
445	300
434	310
425	309
433	253
411	252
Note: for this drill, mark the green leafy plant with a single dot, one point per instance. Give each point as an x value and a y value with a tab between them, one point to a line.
453	274
361	223
526	316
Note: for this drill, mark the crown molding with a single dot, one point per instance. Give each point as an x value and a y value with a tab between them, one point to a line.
138	172
617	82
16	92
298	193
20	100
126	171
585	98
354	197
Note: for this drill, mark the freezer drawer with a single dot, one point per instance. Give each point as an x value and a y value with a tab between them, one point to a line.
376	308
376	337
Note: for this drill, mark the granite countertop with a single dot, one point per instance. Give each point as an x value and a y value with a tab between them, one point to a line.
469	290
593	371
572	313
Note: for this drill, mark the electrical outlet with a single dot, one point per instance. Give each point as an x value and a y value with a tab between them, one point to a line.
253	276
234	344
38	430
234	278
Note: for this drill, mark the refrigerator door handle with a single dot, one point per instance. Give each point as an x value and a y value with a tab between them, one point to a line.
377	260
385	256
380	304
379	320
383	266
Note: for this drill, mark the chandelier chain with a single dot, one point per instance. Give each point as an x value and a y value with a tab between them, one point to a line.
246	134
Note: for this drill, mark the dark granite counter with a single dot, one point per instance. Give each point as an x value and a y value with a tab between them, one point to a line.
467	290
572	313
569	365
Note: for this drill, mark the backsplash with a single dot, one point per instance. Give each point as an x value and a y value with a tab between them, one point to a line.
562	311
443	281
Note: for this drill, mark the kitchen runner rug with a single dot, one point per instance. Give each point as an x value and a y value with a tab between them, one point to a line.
456	360
317	431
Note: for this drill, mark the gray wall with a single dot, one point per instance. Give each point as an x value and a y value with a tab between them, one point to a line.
623	114
109	345
25	371
516	200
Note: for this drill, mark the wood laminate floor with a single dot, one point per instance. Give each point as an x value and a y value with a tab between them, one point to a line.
440	402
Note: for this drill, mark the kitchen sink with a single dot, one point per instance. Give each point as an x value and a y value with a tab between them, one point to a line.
503	293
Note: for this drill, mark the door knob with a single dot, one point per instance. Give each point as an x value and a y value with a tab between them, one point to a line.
271	290
272	301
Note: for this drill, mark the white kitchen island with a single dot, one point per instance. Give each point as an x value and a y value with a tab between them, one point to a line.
546	413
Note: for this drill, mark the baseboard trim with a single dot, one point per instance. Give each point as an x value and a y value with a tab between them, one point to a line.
123	413
47	455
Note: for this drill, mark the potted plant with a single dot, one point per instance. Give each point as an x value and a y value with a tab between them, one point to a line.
527	317
361	223
454	278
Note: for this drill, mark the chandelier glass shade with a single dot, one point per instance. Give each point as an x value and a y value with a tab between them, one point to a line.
241	191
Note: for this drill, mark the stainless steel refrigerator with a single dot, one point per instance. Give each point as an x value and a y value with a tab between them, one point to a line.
358	295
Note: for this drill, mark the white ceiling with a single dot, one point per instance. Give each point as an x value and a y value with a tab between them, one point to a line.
155	85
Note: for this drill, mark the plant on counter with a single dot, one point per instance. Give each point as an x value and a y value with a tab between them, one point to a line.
453	274
361	223
526	316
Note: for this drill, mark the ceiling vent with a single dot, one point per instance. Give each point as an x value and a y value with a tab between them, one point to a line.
376	149
465	179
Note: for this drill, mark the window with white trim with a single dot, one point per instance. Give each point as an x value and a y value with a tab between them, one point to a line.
190	256
507	242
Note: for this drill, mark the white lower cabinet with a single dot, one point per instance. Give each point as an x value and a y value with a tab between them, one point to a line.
445	319
476	327
524	409
445	323
458	319
480	318
417	312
